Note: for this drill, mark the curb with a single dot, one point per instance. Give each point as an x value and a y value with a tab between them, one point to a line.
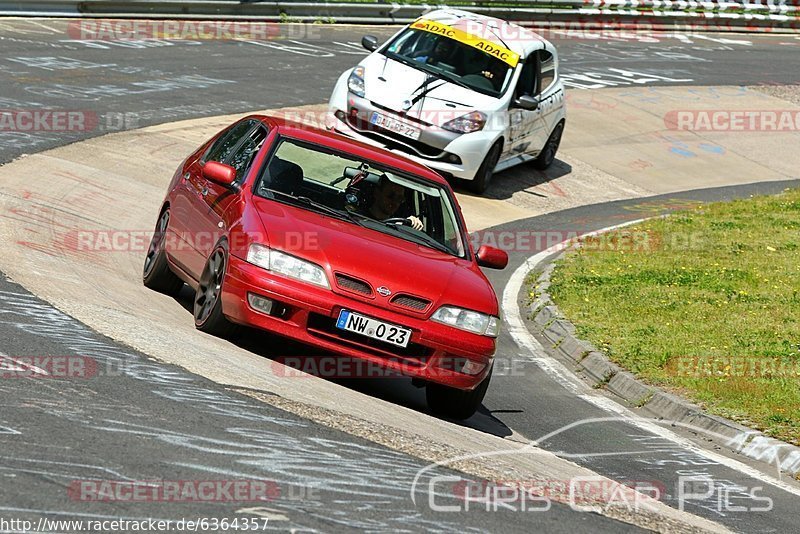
545	320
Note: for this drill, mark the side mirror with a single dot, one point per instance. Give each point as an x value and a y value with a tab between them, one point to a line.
370	42
219	173
527	102
492	258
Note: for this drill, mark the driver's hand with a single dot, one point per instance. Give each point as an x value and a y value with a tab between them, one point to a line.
416	224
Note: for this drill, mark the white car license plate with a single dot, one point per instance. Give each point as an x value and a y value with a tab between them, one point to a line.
367	326
395	125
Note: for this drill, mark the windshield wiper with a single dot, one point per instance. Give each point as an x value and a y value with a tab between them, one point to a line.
441	75
451	79
425	238
318	206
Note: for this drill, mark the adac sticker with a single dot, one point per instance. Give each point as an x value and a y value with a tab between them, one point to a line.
493	49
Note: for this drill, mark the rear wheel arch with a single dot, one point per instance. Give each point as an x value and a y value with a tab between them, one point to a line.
156	272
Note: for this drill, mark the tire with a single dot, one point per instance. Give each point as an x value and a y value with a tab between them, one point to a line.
455	403
484	175
156	274
208	315
548	154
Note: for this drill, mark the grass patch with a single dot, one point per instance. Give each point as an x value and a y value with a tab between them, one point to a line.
532	285
705	303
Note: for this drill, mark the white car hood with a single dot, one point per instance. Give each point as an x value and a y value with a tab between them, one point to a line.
390	84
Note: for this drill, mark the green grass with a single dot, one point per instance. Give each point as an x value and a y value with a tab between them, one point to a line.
705	302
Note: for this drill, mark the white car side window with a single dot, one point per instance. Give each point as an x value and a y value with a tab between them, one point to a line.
527	79
548	70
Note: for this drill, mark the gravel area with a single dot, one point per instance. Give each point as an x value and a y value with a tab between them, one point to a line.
790	93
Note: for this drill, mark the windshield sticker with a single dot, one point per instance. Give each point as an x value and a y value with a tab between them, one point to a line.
493	49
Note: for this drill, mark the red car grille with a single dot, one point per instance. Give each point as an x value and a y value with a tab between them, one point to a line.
411	302
348	283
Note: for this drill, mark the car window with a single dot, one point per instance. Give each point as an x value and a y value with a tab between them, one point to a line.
319	179
527	79
448	57
547	67
245	152
224	146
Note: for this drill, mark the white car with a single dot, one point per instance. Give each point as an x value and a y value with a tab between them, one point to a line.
464	94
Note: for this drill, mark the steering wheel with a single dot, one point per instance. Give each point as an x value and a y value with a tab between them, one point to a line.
398	220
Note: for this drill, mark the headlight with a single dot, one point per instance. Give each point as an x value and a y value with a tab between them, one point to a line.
258	255
356	82
471	321
471	122
277	261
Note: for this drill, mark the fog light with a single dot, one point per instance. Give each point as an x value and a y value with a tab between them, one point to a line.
472	368
259	303
454	159
462	365
340	115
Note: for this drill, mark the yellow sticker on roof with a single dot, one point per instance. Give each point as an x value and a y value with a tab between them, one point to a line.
493	49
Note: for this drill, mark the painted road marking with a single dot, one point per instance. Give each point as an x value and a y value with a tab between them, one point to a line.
558	372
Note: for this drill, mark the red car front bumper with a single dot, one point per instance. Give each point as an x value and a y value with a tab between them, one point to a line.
309	314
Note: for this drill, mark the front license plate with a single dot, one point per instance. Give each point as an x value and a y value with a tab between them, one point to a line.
367	326
394	125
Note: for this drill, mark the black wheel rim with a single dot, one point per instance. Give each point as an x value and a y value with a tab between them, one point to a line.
209	289
156	243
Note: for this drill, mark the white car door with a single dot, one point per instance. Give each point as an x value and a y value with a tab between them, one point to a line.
527	129
550	94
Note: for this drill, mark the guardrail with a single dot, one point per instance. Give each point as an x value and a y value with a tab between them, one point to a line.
758	15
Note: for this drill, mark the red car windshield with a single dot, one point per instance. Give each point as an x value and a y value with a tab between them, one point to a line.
382	199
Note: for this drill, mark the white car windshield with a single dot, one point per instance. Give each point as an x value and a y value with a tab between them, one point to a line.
376	197
451	59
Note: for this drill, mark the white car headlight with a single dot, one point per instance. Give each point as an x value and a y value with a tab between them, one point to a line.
277	261
356	82
471	122
471	321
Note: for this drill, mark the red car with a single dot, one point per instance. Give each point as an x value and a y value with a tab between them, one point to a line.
336	244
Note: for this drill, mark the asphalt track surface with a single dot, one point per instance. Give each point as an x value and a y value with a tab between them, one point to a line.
145	426
138	420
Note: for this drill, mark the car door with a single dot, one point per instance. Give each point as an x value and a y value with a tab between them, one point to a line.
200	226
550	94
217	200
527	129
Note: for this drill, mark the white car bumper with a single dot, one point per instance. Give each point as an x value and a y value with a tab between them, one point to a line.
458	155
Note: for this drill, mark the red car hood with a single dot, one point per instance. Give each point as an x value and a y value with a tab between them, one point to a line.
378	258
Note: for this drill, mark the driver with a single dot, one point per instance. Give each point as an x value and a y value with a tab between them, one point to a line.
387	199
440	52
